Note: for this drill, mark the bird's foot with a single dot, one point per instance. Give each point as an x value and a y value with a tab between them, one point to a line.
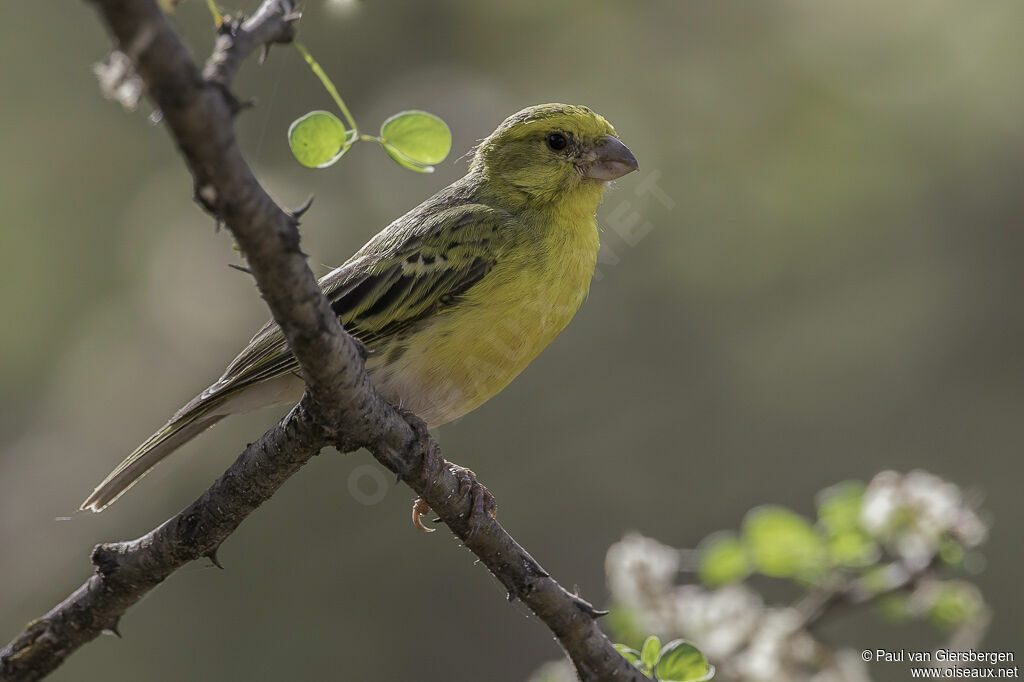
482	505
419	508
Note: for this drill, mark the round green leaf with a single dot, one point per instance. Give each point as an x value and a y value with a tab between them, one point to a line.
404	161
649	652
723	560
951	552
681	661
839	506
783	544
631	655
853	548
953	604
318	139
420	137
894	608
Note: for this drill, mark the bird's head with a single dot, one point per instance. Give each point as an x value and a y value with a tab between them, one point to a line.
553	152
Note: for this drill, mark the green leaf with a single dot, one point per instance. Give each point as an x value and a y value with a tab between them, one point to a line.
951	552
416	139
839	506
853	549
681	661
404	161
623	624
723	560
318	139
953	604
875	580
783	544
631	655
894	608
649	652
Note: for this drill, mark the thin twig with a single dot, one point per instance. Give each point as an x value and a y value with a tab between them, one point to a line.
843	591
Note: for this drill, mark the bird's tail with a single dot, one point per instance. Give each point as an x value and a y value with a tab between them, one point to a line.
183	427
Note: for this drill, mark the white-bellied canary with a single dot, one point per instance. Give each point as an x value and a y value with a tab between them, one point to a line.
453	299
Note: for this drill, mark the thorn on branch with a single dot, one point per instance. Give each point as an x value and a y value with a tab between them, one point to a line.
212	556
113	628
588	608
300	210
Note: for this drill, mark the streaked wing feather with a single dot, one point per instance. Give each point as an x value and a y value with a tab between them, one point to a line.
406	274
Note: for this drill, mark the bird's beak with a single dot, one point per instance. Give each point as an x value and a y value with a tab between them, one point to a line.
612	160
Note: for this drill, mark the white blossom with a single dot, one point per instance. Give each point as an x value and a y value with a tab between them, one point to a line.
640	570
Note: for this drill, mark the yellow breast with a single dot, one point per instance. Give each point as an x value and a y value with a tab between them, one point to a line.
465	356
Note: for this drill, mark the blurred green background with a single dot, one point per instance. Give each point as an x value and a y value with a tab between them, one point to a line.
832	289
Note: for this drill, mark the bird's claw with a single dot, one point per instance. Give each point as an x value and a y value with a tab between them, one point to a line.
482	505
419	508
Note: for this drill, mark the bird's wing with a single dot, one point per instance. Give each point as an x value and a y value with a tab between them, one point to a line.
406	274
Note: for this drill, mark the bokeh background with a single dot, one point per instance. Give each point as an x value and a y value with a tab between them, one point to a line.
832	289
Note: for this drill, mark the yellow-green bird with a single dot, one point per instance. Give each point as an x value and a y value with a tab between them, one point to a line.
453	299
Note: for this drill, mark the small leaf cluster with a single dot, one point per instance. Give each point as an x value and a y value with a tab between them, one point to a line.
902	545
777	542
677	661
915	519
413	139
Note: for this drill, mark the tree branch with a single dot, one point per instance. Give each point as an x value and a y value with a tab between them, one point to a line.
340	406
843	591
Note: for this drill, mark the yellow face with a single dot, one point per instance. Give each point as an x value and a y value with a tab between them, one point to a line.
551	150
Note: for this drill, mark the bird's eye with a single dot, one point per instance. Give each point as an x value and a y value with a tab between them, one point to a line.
557	141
